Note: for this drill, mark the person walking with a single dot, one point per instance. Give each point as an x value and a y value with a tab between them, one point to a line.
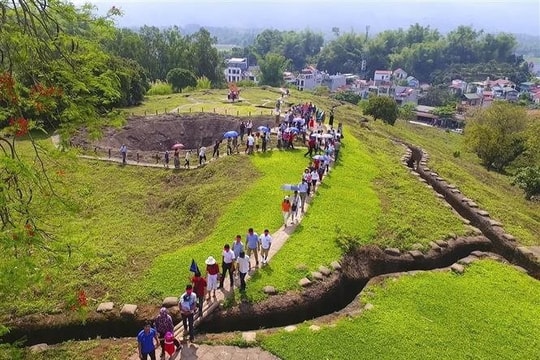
242	130
186	159
145	342
266	243
164	324
166	164
243	268
215	154
123	153
227	257
295	204
188	305
252	245
202	155
303	191
306	176
237	248
286	210
212	271
199	288
314	179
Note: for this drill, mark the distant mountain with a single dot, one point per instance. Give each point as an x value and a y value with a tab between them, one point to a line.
492	16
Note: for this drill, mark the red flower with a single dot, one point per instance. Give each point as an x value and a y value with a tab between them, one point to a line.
20	126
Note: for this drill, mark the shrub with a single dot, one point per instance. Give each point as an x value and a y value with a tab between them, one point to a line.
160	88
347	242
203	83
348	96
528	179
246	84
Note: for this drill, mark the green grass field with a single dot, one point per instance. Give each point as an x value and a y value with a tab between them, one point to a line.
492	191
133	232
489	312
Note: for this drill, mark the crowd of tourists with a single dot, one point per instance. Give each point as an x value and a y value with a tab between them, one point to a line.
245	255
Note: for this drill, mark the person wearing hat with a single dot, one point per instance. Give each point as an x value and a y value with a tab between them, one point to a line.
286	210
212	271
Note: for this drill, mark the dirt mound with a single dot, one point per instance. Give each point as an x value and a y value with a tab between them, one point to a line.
160	132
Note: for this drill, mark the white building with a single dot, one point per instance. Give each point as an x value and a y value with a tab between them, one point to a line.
334	82
308	79
235	69
382	76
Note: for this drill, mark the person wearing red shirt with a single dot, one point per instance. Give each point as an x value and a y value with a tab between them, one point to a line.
199	288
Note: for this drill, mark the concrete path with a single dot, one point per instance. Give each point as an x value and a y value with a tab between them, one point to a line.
207	352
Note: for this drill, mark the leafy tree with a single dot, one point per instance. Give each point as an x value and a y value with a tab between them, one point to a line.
407	112
437	96
382	107
207	61
53	75
272	67
348	96
344	54
181	78
445	112
497	134
528	179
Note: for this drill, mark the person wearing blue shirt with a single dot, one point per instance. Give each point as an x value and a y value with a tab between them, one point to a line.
188	305
145	342
252	245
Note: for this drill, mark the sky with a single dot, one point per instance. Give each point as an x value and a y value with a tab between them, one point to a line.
521	16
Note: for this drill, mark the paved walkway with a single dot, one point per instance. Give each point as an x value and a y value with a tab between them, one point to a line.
207	352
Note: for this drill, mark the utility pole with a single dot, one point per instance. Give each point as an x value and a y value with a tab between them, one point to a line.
367	33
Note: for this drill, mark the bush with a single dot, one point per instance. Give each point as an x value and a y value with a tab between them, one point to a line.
203	83
348	96
528	179
246	84
347	242
160	88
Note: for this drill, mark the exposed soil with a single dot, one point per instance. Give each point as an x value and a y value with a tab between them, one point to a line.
150	134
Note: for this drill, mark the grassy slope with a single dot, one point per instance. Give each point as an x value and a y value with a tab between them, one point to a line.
258	207
492	191
490	312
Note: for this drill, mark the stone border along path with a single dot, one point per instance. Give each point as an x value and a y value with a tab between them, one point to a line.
477	219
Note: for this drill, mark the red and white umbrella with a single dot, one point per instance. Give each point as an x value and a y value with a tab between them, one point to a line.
178	146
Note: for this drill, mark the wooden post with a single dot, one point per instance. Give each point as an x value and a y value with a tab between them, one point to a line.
156	112
250	113
214	110
225	111
178	110
202	109
144	112
237	113
189	109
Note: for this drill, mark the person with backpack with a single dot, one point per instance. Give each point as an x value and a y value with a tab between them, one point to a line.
188	305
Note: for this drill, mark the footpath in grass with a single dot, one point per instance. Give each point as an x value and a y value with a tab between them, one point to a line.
492	191
490	312
258	207
346	200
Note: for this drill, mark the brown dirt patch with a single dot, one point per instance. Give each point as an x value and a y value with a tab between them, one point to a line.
151	134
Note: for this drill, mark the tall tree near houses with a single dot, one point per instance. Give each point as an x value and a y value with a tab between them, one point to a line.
497	134
206	57
272	67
